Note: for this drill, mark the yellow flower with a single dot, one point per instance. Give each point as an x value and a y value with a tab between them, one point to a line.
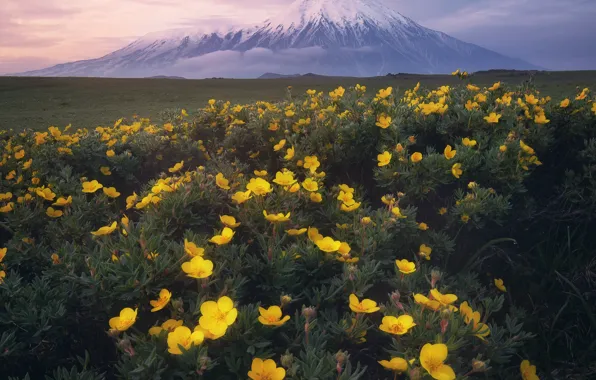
290	153
27	164
365	306
468	142
192	250
405	266
131	200
499	285
7	208
564	103
105	230
465	218
443	299
276	218
224	238
279	145
259	186
350	207
425	251
169	325
91	186
110	153
471	87
46	194
383	158
2	276
111	192
55	259
432	359
296	232
241	196
198	267
265	370
20	154
366	220
397	326
470	316
53	213
541	119
492	118
162	301
528	371
495	86
327	244
449	153
260	173
383	121
272	316
222	182
398	365
310	185
397	212
456	170
63	201
217	316
229	221
594	108
531	99
316	197
416	157
126	319
422	226
285	178
3	253
183	337
176	167
312	163
384	92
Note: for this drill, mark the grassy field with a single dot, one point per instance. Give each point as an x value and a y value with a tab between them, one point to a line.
88	102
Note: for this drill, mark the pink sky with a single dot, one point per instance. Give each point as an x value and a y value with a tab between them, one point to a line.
36	33
39	33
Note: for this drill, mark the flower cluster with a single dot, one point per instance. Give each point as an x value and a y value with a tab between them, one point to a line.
279	240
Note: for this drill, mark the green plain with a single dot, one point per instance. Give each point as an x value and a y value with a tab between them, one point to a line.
38	103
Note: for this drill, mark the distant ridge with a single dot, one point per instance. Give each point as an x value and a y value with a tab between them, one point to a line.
165	77
277	76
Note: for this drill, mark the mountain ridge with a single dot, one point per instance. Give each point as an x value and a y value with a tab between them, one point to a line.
329	37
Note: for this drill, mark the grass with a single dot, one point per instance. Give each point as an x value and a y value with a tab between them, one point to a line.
88	102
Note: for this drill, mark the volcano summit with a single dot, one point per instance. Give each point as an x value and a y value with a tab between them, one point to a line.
327	37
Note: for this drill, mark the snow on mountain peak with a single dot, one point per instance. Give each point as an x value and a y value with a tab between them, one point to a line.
339	12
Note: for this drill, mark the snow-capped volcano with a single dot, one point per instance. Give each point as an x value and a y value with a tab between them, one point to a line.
332	37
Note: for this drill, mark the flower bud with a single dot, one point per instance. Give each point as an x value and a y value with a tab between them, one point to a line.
395	296
365	220
415	374
446	313
309	313
341	356
478	365
178	305
287	360
435	276
285	300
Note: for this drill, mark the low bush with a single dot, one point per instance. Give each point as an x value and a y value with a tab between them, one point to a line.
328	236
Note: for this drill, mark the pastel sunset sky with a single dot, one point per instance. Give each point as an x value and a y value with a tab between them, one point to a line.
34	34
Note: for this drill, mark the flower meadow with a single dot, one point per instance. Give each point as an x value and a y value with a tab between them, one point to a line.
331	235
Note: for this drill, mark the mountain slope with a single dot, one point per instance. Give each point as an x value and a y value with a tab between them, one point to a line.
332	37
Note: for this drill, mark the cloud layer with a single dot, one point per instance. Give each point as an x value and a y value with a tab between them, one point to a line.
36	33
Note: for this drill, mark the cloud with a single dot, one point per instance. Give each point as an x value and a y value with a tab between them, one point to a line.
249	64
